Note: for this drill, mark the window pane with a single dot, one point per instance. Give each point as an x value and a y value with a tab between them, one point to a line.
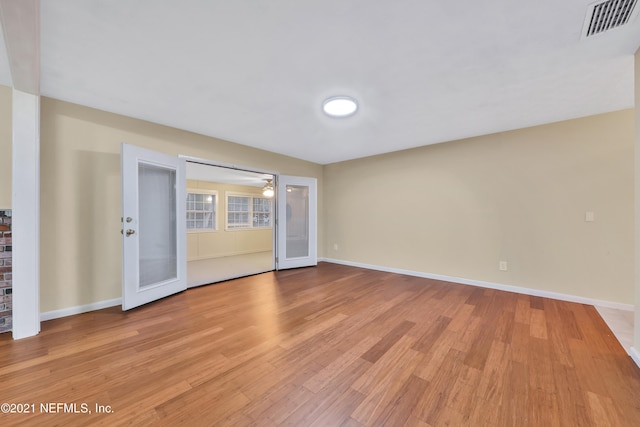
158	247
297	222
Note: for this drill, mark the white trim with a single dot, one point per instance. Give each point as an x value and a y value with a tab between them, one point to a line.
25	214
79	309
490	285
635	355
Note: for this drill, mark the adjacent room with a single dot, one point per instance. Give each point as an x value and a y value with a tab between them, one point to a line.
230	231
320	213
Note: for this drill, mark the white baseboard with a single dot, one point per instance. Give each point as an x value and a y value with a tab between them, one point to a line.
55	314
635	355
490	285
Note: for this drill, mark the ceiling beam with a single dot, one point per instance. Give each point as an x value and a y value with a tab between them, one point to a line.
21	26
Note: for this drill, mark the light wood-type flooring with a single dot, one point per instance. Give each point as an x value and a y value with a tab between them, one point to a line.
326	346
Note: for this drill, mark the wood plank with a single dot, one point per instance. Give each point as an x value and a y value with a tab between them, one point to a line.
383	345
433	406
386	382
335	368
538	326
427	341
331	398
401	408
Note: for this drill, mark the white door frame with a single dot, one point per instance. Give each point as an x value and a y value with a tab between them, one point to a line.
247	169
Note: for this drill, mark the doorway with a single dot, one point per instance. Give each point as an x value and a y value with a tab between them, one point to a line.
230	223
155	202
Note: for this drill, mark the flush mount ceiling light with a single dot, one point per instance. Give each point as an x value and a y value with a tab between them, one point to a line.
340	106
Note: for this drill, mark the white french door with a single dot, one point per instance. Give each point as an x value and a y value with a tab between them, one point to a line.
297	229
153	226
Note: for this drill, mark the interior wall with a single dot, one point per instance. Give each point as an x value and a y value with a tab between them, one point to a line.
5	146
636	329
458	208
81	195
222	242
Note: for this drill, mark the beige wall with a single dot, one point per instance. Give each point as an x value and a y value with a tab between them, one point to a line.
459	208
5	147
80	194
636	329
222	242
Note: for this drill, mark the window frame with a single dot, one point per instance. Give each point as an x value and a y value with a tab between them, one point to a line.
249	224
215	204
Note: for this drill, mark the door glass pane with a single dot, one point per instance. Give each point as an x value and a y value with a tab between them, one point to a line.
157	224
297	221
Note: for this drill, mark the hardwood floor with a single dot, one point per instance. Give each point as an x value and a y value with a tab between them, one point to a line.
326	346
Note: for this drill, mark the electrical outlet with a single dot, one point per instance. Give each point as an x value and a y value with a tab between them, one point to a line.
589	216
335	246
502	265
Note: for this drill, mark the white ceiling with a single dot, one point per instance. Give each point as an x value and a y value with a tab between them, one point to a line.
256	72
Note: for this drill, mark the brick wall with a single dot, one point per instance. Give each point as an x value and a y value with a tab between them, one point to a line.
5	271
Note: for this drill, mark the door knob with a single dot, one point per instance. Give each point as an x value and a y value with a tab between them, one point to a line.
130	232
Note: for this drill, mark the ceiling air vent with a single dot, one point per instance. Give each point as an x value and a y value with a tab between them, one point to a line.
606	15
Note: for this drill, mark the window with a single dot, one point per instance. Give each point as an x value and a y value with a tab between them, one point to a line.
201	210
238	211
261	212
246	211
